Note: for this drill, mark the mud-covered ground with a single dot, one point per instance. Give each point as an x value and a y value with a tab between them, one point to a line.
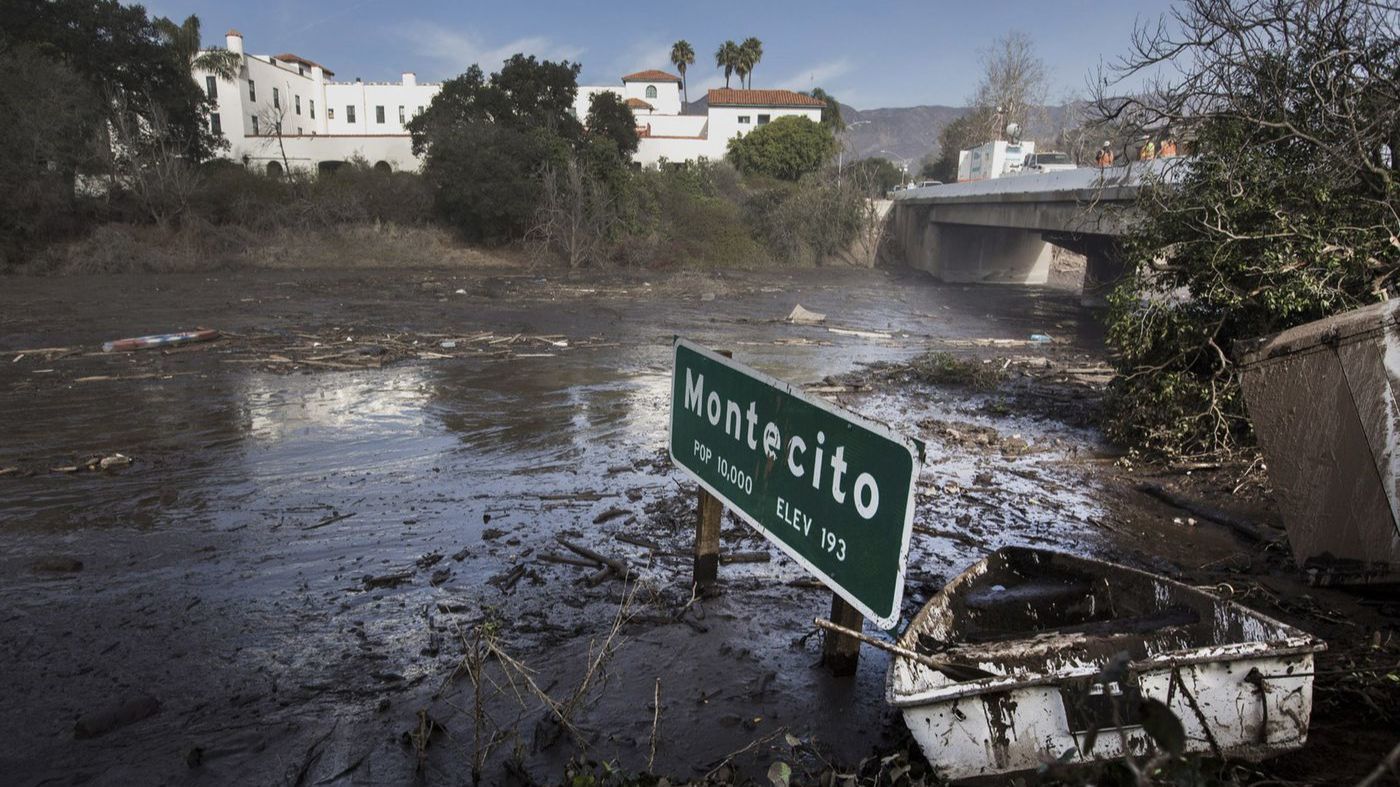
335	554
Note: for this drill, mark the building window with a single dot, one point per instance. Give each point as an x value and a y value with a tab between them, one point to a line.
350	114
298	130
255	125
313	109
330	112
651	91
211	86
379	114
417	112
297	99
276	99
402	119
215	125
252	91
763	119
744	119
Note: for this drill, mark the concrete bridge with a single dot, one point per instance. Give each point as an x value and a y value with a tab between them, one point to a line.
1001	231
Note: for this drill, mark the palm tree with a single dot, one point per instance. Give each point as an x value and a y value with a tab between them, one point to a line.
184	39
727	58
681	56
751	51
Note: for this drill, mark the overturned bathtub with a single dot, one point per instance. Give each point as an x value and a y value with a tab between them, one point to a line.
1045	657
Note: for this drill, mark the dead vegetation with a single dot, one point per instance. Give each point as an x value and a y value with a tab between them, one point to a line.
202	247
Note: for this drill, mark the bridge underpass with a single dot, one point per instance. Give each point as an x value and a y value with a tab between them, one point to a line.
1002	231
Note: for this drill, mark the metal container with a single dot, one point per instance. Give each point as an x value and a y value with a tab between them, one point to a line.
1322	398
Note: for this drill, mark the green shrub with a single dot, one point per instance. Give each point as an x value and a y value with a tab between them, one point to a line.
787	148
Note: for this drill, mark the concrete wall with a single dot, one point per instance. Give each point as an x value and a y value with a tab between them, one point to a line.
667	100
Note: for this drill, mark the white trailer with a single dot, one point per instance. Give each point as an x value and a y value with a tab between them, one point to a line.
993	160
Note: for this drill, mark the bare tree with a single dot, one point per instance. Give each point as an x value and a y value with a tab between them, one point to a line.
576	215
271	119
1013	84
1325	73
148	161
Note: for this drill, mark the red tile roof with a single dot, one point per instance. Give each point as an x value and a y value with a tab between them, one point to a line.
725	97
651	75
288	57
637	103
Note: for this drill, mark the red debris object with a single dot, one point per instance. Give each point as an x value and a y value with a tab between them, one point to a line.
159	340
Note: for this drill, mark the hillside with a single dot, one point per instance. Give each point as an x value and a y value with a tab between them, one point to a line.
910	133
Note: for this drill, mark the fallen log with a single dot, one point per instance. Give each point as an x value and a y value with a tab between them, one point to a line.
1240	525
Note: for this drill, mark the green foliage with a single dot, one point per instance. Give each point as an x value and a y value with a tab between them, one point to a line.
486	141
786	148
943	368
831	111
36	173
727	58
750	52
485	178
690	215
808	222
683	57
964	133
1285	213
1256	239
610	118
878	174
121	56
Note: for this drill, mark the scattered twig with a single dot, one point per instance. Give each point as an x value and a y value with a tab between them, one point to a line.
655	720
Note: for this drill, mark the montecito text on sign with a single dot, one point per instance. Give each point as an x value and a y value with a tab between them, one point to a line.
833	490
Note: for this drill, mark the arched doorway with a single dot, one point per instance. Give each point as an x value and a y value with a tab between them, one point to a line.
274	169
382	166
327	167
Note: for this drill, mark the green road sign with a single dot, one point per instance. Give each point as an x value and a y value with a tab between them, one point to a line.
833	490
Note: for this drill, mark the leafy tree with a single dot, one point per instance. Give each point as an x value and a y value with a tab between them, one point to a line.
750	52
120	55
878	174
36	190
486	141
683	57
787	148
609	118
727	58
1286	213
184	38
831	110
964	132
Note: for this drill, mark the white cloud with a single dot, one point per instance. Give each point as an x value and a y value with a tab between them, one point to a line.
454	50
819	75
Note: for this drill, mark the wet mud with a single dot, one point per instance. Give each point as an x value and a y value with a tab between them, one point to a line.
337	553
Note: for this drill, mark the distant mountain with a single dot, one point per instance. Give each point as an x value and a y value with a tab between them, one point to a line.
911	133
900	133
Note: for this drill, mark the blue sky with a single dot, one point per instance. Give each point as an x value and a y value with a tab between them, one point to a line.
869	54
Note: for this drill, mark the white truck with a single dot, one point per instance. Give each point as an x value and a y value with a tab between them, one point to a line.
993	160
1037	163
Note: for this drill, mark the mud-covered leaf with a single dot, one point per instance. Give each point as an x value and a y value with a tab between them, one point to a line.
779	773
792	740
1163	725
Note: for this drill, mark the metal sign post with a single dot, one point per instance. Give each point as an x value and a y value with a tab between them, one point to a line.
831	489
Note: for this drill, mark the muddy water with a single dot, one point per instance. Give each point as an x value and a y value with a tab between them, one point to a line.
224	571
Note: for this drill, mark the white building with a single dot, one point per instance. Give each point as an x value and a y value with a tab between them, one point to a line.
324	123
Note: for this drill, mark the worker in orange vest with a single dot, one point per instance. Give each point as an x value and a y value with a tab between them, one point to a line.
1168	148
1104	158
